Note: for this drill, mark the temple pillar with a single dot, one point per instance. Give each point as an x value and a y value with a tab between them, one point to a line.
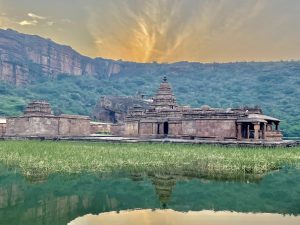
158	129
248	131
239	131
264	131
277	126
161	128
154	129
256	131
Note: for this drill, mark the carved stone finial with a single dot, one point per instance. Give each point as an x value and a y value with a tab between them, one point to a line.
165	79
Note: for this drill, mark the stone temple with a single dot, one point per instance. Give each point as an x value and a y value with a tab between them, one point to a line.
164	118
38	120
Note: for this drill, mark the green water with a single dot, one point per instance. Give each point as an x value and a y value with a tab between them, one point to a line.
59	199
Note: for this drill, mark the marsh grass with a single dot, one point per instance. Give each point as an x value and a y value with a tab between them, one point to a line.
41	158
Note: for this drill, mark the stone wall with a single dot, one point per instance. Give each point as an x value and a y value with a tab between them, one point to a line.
96	128
189	128
175	129
210	128
216	128
32	126
48	126
2	129
71	125
132	129
273	136
118	129
146	129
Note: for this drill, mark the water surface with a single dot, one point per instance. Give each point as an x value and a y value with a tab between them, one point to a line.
158	217
148	199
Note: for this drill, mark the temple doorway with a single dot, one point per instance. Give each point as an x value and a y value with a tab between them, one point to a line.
166	128
247	131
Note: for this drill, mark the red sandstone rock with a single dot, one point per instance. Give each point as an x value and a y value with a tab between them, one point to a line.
18	51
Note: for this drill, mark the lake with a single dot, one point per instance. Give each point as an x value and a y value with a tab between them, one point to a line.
148	199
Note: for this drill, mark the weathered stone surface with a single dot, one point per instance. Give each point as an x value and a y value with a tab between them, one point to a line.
32	126
118	129
220	128
164	97
19	51
97	127
73	126
132	128
113	109
38	108
39	121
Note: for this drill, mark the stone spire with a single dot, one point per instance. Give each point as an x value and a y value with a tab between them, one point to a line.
38	108
164	97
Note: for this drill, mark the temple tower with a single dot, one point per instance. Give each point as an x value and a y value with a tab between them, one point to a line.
164	97
38	108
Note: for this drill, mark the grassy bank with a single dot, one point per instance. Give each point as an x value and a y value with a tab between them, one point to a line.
35	158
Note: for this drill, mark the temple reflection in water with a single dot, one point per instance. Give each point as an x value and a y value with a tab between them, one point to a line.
61	199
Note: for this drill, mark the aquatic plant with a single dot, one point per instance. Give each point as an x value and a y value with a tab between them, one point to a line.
41	158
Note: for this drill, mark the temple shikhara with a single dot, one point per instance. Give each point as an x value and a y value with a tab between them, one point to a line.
38	120
165	118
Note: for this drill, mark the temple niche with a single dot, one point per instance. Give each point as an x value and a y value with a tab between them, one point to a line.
165	118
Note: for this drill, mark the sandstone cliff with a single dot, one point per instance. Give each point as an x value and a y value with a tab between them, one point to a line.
19	53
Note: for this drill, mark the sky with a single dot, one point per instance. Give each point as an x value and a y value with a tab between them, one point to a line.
164	30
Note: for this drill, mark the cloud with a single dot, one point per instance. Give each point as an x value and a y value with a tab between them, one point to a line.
168	30
66	20
164	30
34	16
28	23
50	23
35	20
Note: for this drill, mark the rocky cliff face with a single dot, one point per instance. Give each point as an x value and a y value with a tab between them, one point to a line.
113	109
20	52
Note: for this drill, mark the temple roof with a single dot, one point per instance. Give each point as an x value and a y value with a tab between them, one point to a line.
164	97
258	118
262	117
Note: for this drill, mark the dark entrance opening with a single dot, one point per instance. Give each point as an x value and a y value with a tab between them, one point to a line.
158	128
248	130
166	128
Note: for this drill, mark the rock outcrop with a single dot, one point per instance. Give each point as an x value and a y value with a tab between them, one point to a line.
21	56
113	109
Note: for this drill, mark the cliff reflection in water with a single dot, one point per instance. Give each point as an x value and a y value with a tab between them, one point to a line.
61	199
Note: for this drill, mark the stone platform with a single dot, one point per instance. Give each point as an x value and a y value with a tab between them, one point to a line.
116	139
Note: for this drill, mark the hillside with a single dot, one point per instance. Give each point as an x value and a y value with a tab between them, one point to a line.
25	58
51	72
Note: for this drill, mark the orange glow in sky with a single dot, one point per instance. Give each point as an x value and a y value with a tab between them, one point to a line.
164	30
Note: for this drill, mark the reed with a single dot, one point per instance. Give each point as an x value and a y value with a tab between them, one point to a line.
41	158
